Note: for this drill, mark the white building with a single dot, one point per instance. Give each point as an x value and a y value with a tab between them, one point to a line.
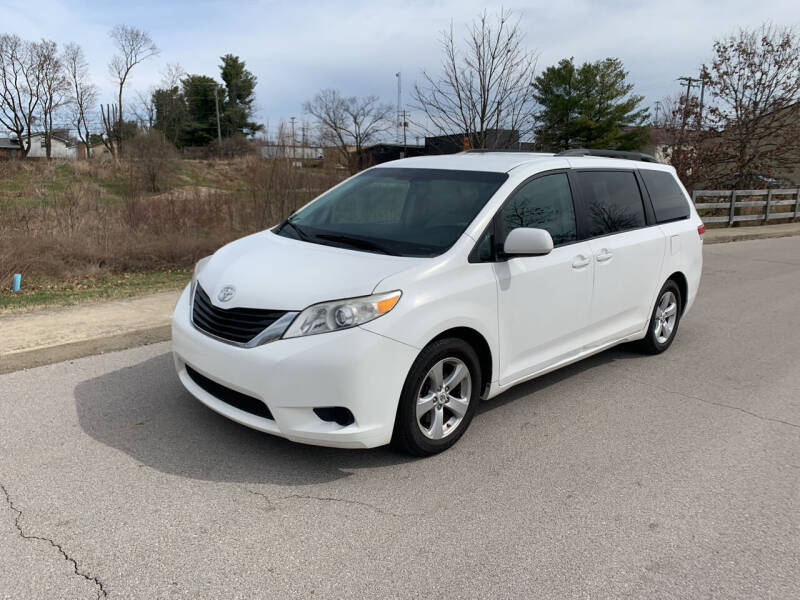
286	151
60	147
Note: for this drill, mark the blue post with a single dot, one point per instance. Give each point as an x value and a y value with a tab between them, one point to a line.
17	282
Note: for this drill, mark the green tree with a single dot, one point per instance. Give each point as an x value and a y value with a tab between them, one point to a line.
171	113
237	106
200	127
588	106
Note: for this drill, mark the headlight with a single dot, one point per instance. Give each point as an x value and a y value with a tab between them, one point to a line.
197	269
199	266
341	314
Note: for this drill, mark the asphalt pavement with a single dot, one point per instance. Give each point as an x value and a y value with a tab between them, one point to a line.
624	476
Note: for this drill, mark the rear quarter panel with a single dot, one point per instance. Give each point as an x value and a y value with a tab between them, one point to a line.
684	252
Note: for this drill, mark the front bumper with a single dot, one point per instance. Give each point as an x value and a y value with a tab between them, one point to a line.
356	369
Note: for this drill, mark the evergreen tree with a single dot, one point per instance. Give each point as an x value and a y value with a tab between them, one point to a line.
171	113
237	109
187	114
590	106
200	128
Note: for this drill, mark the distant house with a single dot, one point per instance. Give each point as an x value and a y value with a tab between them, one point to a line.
660	144
9	149
96	150
293	152
60	147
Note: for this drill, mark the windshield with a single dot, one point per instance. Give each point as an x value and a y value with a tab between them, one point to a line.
404	212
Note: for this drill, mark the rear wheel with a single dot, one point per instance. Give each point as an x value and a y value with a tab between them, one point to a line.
439	398
664	319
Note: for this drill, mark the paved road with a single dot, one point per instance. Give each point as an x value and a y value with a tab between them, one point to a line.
623	476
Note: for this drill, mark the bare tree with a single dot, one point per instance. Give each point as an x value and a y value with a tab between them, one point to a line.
349	123
110	128
20	87
485	87
681	138
754	81
53	89
150	154
172	75
133	47
83	95
144	109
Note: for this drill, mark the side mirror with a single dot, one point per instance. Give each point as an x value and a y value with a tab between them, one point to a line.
528	241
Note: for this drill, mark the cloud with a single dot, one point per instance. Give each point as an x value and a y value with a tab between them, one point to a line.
300	47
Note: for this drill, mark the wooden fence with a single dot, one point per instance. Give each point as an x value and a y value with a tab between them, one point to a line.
774	204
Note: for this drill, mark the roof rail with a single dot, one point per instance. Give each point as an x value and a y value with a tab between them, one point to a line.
485	150
609	154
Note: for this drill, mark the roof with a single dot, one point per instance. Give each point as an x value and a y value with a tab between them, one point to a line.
55	136
497	162
503	162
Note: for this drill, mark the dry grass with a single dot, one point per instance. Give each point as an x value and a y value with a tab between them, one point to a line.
62	221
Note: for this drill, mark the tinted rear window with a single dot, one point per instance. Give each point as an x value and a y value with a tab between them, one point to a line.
612	200
668	200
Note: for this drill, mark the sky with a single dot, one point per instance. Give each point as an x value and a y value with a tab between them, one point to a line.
297	48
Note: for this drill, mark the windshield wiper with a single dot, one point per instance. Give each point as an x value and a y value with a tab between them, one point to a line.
354	242
302	234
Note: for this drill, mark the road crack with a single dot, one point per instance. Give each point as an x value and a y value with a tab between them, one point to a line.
271	501
722	405
101	591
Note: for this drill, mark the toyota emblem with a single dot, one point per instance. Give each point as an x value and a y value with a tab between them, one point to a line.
226	293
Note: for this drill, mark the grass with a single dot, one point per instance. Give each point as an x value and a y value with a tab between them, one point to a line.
92	230
90	289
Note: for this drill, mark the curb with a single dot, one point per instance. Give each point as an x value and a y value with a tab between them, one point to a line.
28	359
744	237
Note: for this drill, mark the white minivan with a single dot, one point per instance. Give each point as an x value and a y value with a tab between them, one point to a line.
388	307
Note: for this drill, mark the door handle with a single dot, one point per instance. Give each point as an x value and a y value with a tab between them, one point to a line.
604	255
581	261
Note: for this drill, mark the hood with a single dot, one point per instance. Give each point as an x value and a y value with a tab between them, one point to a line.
272	272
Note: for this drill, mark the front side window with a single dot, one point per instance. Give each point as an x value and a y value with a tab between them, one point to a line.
543	203
612	201
404	212
669	202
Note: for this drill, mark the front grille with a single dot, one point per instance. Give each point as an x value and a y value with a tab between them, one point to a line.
233	324
248	404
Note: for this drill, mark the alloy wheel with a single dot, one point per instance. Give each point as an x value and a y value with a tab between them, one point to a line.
666	316
443	398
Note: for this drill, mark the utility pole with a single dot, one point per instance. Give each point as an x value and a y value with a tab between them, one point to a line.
219	128
405	144
703	79
399	102
689	82
294	153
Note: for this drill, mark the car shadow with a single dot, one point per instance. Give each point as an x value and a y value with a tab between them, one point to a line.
145	412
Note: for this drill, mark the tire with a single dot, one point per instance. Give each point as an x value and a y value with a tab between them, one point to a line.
661	330
449	411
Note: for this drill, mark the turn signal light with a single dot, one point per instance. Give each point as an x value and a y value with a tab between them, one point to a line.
385	306
701	229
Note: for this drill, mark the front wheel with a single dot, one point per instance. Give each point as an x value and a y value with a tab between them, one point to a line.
664	320
439	398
